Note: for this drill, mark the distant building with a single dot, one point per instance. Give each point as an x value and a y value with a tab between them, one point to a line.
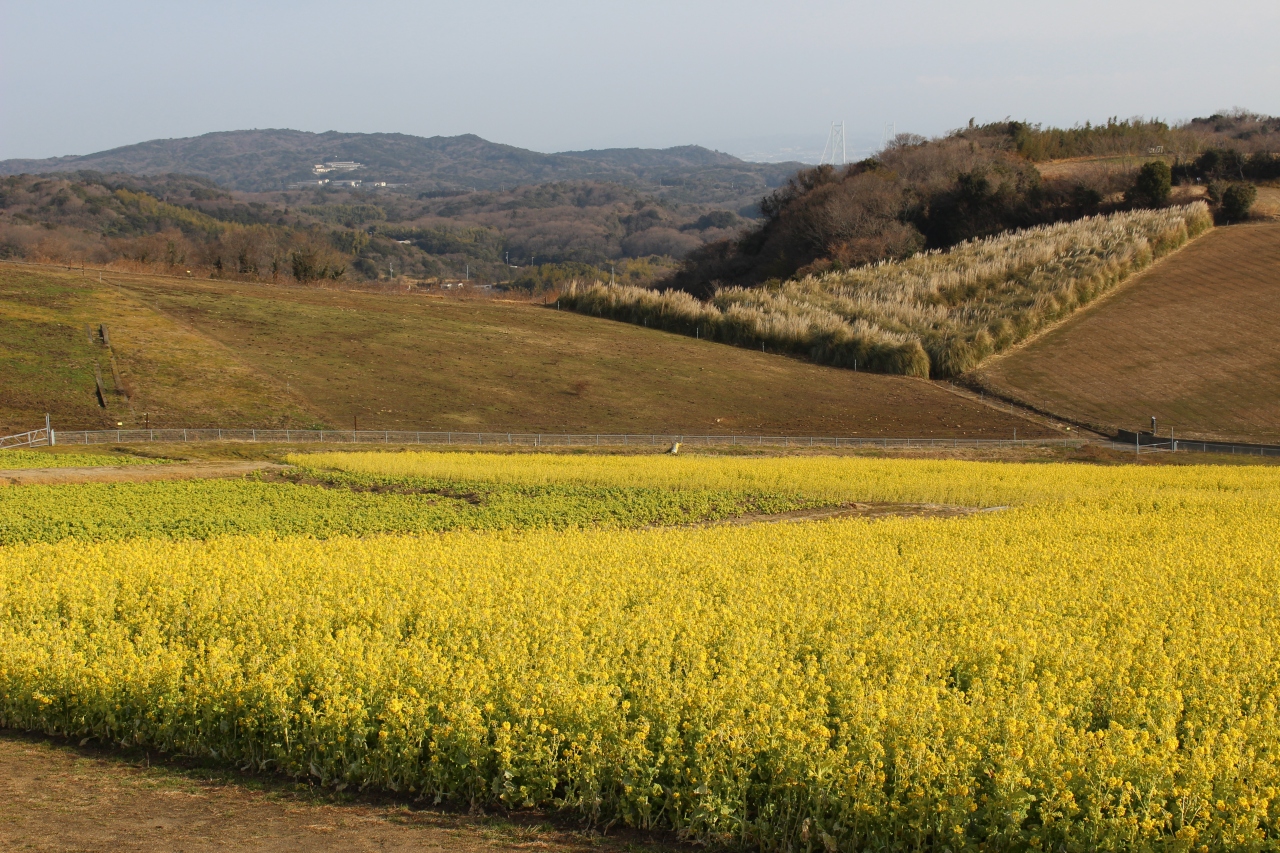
336	166
344	183
297	185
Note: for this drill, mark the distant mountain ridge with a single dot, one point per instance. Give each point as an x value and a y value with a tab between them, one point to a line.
268	160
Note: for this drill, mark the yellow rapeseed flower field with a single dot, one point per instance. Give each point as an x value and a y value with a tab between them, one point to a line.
1096	667
12	459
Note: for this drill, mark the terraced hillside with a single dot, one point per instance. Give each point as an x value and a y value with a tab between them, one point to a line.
1192	341
207	353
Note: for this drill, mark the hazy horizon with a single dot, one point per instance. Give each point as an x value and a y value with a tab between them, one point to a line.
750	79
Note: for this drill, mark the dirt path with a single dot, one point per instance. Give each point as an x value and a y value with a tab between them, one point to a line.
54	797
854	510
131	473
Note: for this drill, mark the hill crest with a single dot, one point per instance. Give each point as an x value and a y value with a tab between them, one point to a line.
270	159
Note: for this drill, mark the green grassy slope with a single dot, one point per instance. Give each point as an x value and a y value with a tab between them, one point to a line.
50	343
202	353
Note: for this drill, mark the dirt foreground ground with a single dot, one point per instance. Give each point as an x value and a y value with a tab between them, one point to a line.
56	797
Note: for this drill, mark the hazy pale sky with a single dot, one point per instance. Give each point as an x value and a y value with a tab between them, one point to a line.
748	77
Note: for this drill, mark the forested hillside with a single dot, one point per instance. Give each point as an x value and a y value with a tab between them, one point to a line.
687	217
268	160
920	194
531	237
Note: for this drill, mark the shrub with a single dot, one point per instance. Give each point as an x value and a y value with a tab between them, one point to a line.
1237	199
1152	186
311	264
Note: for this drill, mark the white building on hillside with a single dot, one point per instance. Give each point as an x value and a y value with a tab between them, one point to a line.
336	166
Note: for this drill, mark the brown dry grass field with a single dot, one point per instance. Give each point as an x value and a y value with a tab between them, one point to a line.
1073	167
1194	341
1268	203
222	353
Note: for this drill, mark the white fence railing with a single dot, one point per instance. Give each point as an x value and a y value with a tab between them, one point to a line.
37	438
31	438
1145	442
524	439
34	438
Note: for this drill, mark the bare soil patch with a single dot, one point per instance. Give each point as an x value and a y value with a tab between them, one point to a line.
299	478
54	797
853	510
1191	341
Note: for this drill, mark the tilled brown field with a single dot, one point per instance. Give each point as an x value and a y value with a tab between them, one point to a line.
1194	341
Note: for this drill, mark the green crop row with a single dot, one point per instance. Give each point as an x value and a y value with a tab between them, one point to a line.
331	504
16	459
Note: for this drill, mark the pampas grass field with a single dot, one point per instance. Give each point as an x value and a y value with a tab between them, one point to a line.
937	314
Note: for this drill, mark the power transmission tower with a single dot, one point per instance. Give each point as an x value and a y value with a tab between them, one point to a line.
835	152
